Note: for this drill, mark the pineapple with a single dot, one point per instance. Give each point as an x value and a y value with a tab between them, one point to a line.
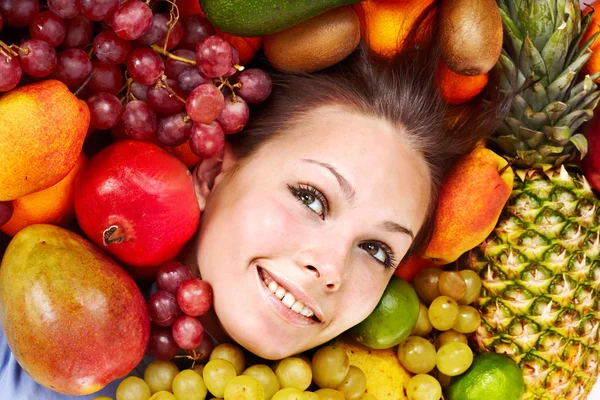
540	267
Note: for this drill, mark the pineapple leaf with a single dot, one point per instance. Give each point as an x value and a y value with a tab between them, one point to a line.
531	62
518	107
569	119
559	135
506	143
537	19
555	110
535	120
580	143
536	96
533	138
514	34
584	86
555	51
591	101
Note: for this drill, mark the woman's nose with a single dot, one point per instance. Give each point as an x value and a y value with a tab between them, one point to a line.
328	267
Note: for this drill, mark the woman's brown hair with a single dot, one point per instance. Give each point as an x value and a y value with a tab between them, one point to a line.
403	91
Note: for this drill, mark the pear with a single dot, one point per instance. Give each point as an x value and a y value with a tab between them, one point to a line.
72	317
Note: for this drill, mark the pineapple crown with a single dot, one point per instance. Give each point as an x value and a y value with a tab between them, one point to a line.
543	55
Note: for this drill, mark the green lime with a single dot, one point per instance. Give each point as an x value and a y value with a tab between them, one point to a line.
393	319
492	376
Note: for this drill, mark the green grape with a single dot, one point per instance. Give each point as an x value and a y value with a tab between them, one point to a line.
163	395
450	336
294	372
426	284
468	320
133	388
199	368
217	374
443	379
452	284
423	326
443	312
188	385
354	383
454	358
423	387
289	394
329	394
244	387
232	353
304	357
311	396
105	398
368	396
330	365
473	282
417	355
159	375
266	377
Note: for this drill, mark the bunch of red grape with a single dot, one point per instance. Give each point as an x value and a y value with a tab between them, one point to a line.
174	310
148	75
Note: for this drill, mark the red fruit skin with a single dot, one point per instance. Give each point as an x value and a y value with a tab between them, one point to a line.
137	202
591	162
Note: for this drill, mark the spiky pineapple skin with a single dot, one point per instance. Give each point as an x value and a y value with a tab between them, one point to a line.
540	270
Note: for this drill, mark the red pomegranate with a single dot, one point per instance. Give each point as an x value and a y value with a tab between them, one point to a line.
137	202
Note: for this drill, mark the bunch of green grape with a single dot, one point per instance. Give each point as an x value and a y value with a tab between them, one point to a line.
438	348
327	376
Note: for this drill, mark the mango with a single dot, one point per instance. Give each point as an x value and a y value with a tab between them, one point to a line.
42	129
386	377
72	317
469	205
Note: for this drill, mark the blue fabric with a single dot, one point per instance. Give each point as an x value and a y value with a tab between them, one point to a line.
15	384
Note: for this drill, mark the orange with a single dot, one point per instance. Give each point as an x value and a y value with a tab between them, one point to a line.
53	205
246	46
184	153
593	64
386	23
411	267
456	88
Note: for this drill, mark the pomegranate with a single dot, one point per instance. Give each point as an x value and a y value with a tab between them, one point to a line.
137	201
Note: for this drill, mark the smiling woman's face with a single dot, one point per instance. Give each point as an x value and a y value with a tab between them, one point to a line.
319	216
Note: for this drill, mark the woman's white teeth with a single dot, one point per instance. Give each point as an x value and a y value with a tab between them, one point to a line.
289	300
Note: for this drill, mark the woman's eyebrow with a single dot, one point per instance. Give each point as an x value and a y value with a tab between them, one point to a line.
346	187
394	227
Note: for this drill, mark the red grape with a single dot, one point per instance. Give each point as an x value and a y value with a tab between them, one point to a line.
173	130
256	85
235	60
64	8
105	78
214	57
188	332
105	110
139	91
163	308
195	297
1	22
109	48
161	344
207	140
206	347
144	66
190	78
10	72
234	115
6	211
19	13
205	103
163	101
139	121
48	27
171	275
195	29
173	67
79	32
97	10
132	19
156	32
38	58
174	37
73	67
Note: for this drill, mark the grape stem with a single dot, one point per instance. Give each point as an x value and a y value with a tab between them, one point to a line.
84	84
162	83
9	49
172	56
191	355
173	18
225	82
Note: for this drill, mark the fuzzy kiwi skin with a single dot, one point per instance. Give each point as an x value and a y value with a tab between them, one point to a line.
261	17
315	44
471	35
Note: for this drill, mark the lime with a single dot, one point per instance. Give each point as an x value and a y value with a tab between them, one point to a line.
393	319
492	376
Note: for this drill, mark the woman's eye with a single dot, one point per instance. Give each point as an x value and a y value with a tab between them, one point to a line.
311	198
375	250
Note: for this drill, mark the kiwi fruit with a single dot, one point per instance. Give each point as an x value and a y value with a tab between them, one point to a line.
316	43
471	35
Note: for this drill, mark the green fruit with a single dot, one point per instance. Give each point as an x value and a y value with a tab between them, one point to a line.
492	376
262	17
393	319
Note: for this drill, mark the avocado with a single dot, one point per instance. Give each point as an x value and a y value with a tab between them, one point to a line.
262	17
